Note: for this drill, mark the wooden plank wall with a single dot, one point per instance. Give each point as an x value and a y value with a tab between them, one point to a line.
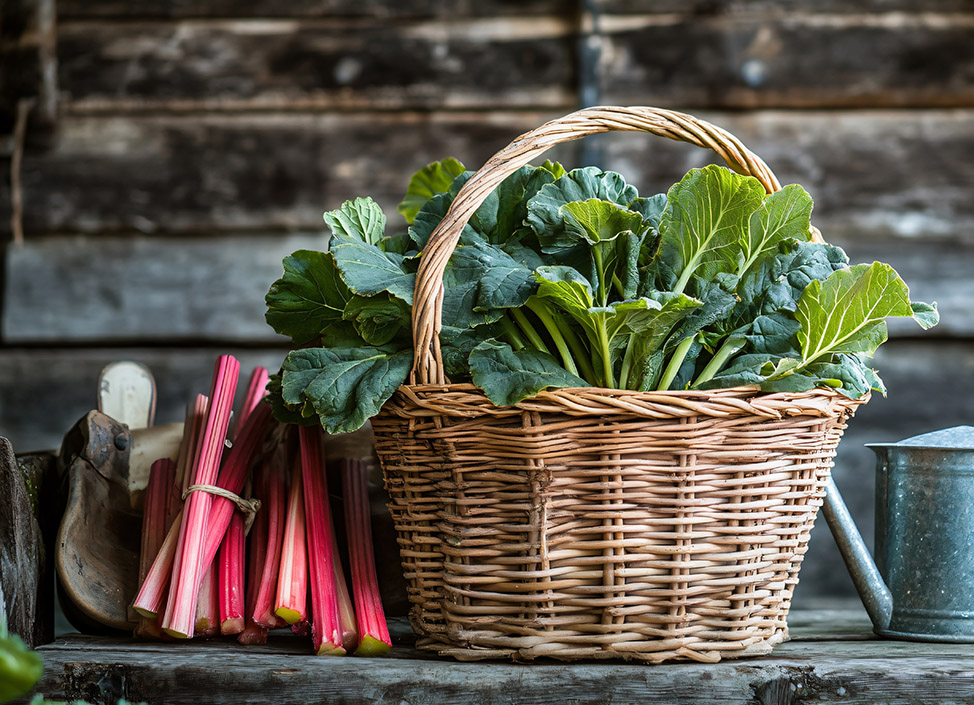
198	142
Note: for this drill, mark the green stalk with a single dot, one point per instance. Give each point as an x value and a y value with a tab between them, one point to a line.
597	254
603	334
618	285
542	313
529	330
512	334
581	354
731	347
626	365
676	361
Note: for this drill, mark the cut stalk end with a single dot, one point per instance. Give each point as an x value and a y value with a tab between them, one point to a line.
288	615
371	646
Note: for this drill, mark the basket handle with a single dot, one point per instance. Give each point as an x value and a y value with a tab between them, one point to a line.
428	296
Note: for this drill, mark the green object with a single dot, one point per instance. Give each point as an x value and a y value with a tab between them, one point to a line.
572	279
20	668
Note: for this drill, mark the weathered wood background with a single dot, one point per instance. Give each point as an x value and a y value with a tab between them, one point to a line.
196	143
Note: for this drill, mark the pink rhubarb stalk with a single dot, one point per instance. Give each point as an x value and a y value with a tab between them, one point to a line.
254	633
233	475
372	627
207	623
154	588
231	562
274	509
193	428
290	603
326	623
256	390
155	515
189	566
345	609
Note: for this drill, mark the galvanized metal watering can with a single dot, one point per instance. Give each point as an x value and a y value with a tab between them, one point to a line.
921	585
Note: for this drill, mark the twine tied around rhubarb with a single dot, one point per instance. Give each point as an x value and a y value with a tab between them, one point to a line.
249	507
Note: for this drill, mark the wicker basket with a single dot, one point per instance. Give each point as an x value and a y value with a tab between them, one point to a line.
594	523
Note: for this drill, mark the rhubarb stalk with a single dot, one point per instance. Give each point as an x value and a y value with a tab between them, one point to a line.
291	601
156	584
193	428
188	565
231	562
256	390
154	527
273	509
207	623
254	633
326	624
345	609
372	627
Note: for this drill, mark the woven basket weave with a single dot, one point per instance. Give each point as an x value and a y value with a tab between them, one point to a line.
594	523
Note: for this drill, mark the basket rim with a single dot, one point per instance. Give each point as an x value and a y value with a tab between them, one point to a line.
467	400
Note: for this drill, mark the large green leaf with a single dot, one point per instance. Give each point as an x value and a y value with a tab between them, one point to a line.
784	215
507	376
368	271
595	220
704	222
545	215
481	281
344	386
649	332
309	298
847	312
503	212
429	181
361	220
378	319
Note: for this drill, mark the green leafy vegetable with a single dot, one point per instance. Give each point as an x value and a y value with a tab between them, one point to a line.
508	376
429	181
20	668
572	279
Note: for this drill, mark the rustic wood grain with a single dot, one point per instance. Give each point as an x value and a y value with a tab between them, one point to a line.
148	9
28	60
244	171
315	64
826	667
23	560
769	60
705	8
144	289
871	172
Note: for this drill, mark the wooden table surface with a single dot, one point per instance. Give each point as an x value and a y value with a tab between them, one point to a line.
832	657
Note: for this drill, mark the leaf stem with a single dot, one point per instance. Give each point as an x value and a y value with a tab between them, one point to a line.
626	364
676	361
528	330
732	345
512	334
541	312
597	254
581	354
603	335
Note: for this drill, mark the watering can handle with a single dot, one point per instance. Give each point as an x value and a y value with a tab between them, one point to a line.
876	597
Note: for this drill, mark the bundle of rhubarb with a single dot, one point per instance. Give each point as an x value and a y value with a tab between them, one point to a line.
238	536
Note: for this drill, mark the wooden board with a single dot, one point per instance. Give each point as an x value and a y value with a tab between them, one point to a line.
142	289
871	172
736	60
314	64
785	59
148	9
244	171
160	289
705	8
24	569
836	661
